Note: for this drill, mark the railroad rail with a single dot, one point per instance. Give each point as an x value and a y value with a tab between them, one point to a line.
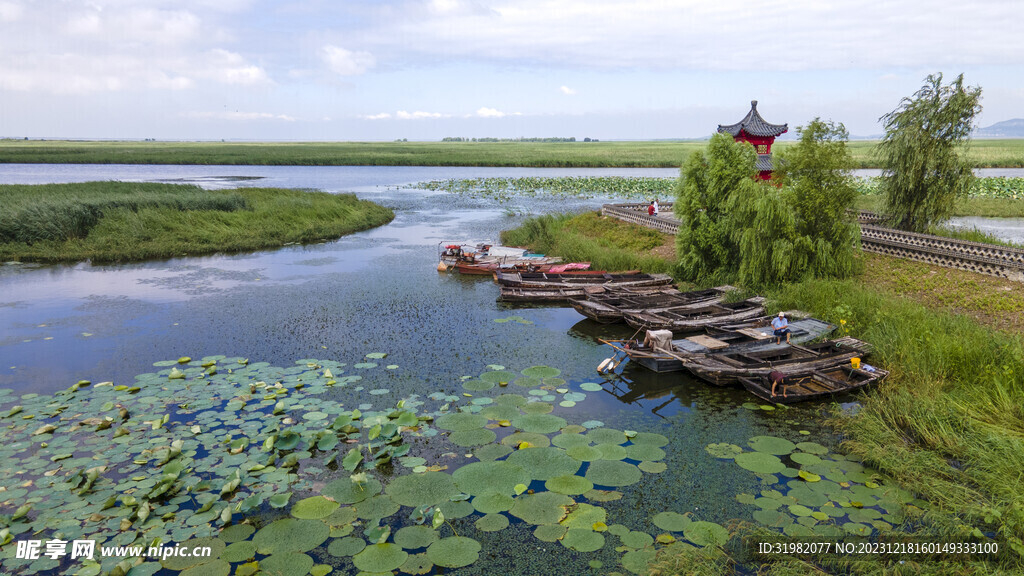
989	259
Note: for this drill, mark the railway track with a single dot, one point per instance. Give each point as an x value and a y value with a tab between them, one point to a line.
989	259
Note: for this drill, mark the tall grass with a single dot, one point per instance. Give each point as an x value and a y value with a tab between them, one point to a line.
982	153
608	244
116	222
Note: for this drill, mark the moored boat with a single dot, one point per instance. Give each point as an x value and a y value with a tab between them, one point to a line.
692	320
752	336
489	268
814	384
609	308
725	369
555	281
514	294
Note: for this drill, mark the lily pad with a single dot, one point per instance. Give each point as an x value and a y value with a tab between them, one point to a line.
417	564
637	561
582	540
498	376
237	532
291	535
461	421
425	489
314	508
636	539
454	552
569	485
652	467
286	564
648	438
413	537
644	452
812	448
672	521
585	516
539	423
567	441
591	387
346	546
493	503
723	450
470	438
376	507
380	558
545	463
491	452
209	568
345	491
550	532
541	508
706	534
772	445
541	372
613	473
760	462
606	436
533	439
480	478
492	523
585	453
239	552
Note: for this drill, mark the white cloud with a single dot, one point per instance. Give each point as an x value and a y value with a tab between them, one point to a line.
418	115
10	11
381	116
490	113
346	62
567	91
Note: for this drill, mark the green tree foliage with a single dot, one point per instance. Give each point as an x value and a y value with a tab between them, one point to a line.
738	229
706	250
924	164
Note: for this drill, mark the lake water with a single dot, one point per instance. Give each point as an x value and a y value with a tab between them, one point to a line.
378	291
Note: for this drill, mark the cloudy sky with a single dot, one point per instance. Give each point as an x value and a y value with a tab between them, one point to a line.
425	69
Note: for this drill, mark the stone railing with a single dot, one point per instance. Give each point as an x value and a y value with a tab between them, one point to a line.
988	259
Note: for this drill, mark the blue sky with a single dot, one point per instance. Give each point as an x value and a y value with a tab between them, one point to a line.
426	69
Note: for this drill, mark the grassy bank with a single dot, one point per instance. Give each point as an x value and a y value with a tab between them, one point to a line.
948	423
121	221
983	153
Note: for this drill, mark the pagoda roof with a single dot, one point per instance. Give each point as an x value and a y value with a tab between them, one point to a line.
764	162
753	125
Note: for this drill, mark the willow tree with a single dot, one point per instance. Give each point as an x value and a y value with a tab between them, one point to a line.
923	160
706	249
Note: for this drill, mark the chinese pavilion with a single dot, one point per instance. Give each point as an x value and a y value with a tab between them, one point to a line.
761	134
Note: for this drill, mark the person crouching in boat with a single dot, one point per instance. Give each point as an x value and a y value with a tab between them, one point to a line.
777	378
781	327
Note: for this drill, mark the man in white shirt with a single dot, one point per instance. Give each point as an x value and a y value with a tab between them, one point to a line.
781	327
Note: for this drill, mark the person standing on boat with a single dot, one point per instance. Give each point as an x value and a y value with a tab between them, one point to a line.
781	326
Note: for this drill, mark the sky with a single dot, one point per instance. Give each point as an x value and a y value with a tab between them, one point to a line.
315	70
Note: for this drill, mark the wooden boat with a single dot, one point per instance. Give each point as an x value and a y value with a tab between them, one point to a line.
725	369
554	281
692	320
513	294
814	384
609	308
489	268
488	257
752	336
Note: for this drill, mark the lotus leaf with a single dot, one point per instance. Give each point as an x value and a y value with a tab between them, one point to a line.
723	450
805	458
857	529
606	436
321	570
582	540
237	533
413	537
454	552
591	387
498	376
380	558
539	423
470	438
585	453
239	552
527	382
537	408
637	561
773	518
477	385
569	485
346	546
652	467
636	539
286	564
549	532
541	508
492	452
534	439
584	516
612	451
545	463
812	448
541	372
613	473
376	355
809	476
291	535
567	441
417	564
454	510
461	421
481	478
760	463
644	452
212	568
493	503
772	445
672	521
345	491
182	562
314	508
377	507
492	523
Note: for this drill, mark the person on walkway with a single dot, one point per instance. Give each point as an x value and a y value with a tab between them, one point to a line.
781	326
656	207
651	210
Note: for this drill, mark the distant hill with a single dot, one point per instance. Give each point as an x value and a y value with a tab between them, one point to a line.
1006	129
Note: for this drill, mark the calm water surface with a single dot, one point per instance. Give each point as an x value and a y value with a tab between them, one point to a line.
374	291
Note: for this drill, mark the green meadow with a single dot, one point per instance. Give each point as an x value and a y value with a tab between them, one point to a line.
660	154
